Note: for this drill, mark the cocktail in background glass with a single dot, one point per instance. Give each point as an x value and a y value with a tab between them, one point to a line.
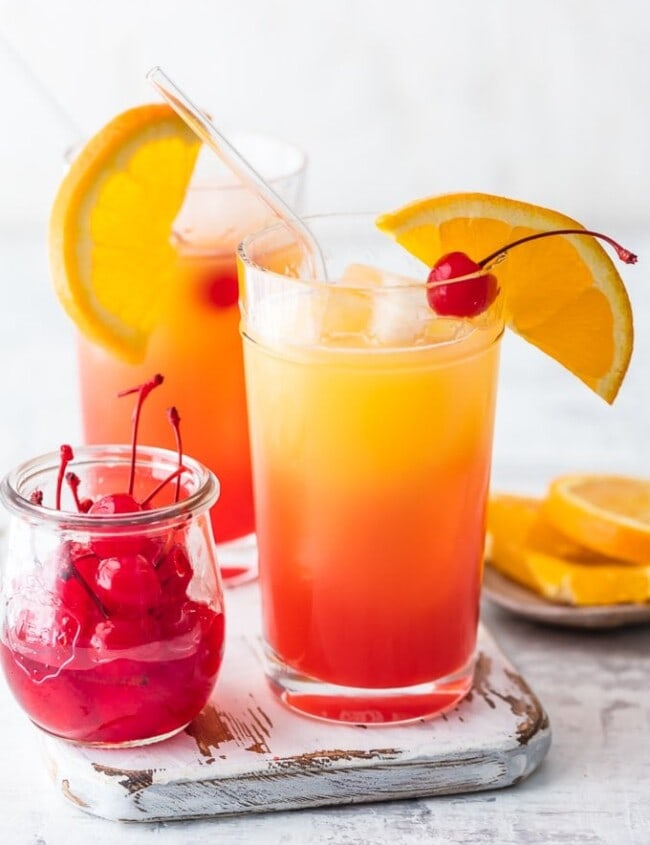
371	432
196	343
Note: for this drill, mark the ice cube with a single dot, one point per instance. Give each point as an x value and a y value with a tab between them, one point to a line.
400	317
398	307
346	314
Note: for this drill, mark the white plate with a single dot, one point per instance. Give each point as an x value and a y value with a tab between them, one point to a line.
517	599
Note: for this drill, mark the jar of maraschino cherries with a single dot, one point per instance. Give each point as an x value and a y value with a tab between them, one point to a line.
111	605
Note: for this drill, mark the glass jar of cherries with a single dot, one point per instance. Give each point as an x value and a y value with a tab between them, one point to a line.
111	604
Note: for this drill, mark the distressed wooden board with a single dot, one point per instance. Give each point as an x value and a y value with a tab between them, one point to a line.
247	753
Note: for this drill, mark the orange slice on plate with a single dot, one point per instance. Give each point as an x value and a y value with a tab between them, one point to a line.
607	513
562	294
110	250
528	550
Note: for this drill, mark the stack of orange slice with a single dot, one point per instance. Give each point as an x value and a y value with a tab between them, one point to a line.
586	543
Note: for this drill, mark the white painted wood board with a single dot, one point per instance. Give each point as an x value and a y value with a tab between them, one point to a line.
247	753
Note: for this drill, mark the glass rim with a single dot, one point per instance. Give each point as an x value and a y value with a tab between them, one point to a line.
206	494
323	284
289	172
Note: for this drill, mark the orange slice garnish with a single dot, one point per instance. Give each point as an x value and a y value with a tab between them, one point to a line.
562	294
110	253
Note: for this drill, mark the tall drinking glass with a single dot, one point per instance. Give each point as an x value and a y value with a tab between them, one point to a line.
196	344
371	425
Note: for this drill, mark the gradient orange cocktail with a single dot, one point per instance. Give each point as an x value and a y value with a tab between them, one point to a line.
196	344
371	431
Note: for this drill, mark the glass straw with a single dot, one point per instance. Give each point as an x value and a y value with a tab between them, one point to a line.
203	127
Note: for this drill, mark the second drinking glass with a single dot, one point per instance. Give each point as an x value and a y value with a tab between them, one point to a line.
196	343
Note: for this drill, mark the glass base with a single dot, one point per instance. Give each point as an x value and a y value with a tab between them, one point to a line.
238	560
360	706
131	743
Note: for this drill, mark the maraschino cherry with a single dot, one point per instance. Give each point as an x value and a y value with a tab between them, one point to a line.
466	298
222	290
471	296
124	564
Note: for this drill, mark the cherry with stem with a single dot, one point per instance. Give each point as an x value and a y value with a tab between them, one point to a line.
73	481
468	297
119	502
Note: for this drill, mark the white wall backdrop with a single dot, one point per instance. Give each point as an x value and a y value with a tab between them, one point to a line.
547	101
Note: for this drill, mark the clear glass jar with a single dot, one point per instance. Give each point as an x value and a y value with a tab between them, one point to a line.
111	626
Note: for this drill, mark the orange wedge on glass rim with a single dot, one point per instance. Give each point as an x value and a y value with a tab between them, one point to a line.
526	548
110	226
562	294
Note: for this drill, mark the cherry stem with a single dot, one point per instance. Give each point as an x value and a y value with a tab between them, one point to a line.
76	574
83	505
66	456
624	254
143	390
164	550
175	422
163	483
74	481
